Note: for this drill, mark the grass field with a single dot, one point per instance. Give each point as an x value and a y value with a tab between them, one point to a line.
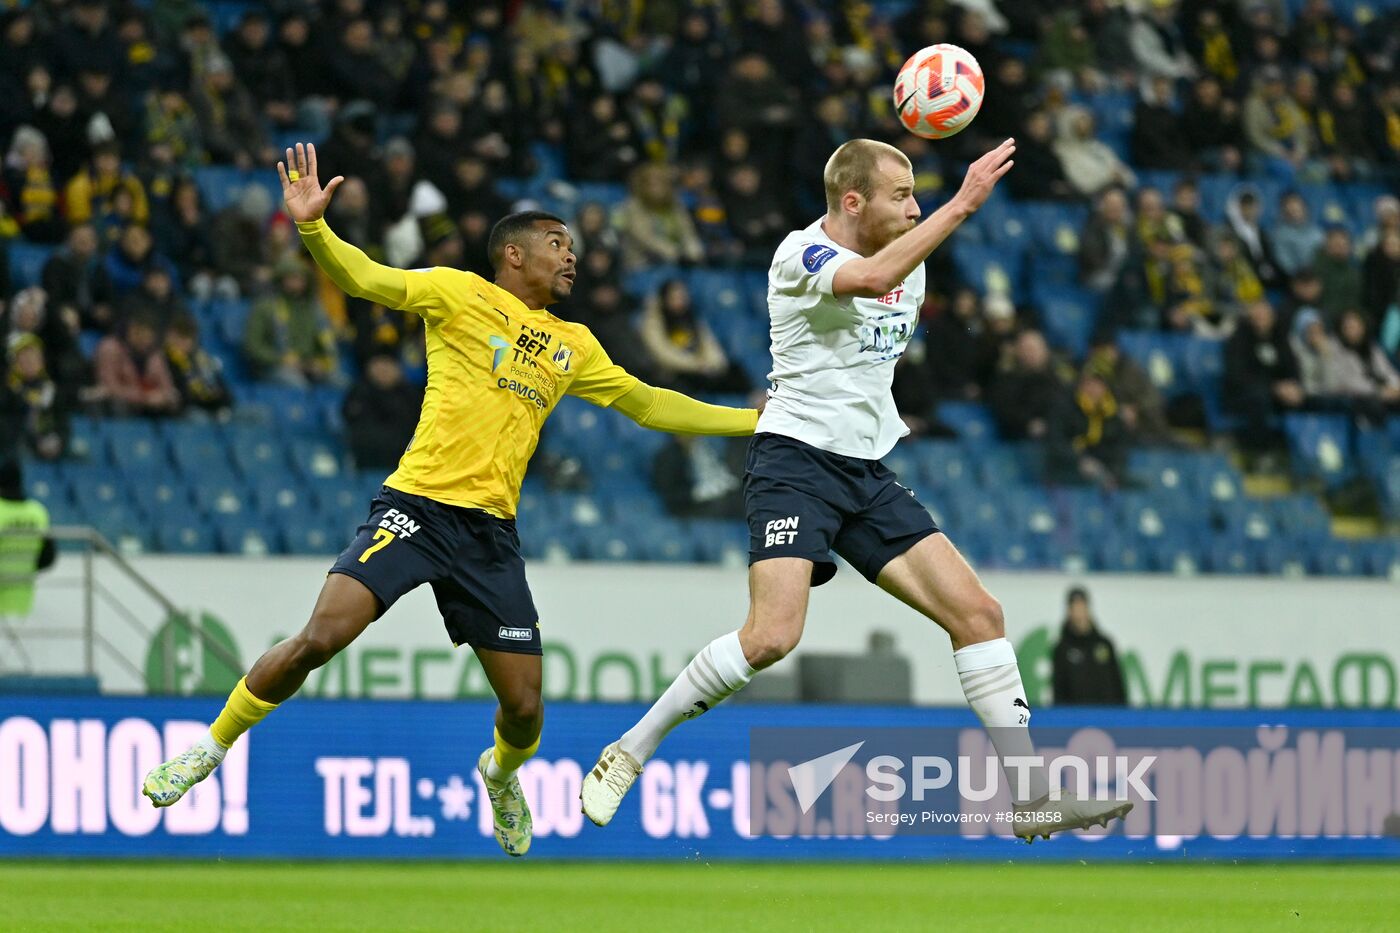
556	896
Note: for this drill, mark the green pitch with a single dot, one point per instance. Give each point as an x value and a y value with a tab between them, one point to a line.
540	895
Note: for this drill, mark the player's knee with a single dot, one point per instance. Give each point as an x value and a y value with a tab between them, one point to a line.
770	644
982	620
524	710
313	648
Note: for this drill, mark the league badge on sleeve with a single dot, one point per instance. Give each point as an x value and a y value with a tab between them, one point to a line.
563	358
816	256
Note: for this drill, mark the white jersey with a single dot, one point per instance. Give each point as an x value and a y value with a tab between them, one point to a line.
833	358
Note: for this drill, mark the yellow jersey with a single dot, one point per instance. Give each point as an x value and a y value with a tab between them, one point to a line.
496	369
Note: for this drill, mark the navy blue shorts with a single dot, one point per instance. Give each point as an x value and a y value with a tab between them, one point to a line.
805	502
471	558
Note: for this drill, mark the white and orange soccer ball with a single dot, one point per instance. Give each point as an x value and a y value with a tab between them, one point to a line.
938	91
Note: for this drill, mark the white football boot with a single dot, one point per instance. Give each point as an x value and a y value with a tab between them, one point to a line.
608	782
1070	813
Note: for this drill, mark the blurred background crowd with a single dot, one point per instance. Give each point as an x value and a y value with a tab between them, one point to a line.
1180	314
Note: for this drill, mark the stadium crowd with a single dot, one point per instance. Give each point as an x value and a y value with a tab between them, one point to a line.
717	117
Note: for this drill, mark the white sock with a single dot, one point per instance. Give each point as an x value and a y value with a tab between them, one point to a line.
495	772
991	681
719	670
211	746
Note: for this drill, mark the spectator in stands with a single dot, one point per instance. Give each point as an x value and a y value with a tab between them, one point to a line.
700	477
238	233
1088	435
1158	44
182	233
1089	164
1317	352
755	213
171	123
263	69
30	400
591	229
76	279
1339	274
1363	367
470	187
1186	205
1085	665
759	101
660	117
708	213
1387	211
695	63
602	142
1041	176
960	362
132	374
1274	125
104	109
31	190
66	131
655	227
92	195
1244	212
197	374
1261	377
356	71
380	414
1023	396
602	307
1344	138
128	262
1107	243
682	347
1159	139
1143	409
155	298
352	217
288	340
1294	237
1380	279
1213	127
1233	282
440	143
229	123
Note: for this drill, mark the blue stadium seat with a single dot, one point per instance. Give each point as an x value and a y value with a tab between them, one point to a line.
1321	446
27	263
239	535
1339	558
309	538
160	498
973	422
1118	554
988	270
1068	316
187	537
1228	556
316	460
221	498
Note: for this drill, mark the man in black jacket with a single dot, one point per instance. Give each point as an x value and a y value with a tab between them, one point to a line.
1086	671
380	413
1261	376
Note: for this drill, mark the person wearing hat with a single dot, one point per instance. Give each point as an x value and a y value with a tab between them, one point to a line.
1085	664
25	549
31	408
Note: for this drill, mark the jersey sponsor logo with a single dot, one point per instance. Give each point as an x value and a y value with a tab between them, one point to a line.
563	358
499	346
816	256
780	531
399	523
514	634
888	340
527	392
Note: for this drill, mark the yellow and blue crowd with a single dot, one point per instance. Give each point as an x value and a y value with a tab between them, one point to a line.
1192	275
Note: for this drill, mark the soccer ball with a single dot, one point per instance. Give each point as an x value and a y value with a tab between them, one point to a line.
938	91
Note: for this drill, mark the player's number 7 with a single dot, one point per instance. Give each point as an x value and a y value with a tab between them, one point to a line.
382	537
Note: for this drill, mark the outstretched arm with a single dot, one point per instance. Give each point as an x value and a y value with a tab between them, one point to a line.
873	276
347	265
664	410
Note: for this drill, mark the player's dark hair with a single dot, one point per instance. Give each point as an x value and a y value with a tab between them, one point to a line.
509	229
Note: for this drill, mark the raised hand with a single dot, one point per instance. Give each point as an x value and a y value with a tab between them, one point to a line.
983	175
301	190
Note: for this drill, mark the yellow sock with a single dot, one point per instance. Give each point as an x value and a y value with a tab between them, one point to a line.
242	712
508	757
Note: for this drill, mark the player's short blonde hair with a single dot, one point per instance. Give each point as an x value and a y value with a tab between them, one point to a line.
852	168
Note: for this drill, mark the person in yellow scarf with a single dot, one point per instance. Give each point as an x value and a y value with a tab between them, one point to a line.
1088	437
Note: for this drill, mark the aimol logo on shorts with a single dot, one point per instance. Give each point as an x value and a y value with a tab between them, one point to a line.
514	634
780	531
